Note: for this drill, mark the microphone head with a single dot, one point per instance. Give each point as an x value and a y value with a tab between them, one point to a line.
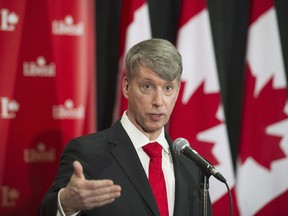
179	144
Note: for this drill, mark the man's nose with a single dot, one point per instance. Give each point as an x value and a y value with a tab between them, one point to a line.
158	98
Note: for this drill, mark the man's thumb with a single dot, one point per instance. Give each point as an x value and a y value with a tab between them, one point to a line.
78	169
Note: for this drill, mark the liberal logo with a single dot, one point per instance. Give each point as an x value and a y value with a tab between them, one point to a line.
40	154
68	111
9	196
8	20
39	68
67	27
8	108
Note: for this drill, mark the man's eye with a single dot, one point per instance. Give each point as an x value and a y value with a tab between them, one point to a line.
147	86
168	88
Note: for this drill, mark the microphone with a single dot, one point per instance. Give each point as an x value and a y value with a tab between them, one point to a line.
182	146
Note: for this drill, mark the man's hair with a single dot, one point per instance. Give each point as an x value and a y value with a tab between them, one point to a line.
158	55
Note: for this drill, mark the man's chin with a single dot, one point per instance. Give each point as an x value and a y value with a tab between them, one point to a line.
153	129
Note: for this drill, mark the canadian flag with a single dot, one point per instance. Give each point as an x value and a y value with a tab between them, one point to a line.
135	27
198	115
262	176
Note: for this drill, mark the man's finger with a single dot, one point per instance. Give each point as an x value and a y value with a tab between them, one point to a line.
78	169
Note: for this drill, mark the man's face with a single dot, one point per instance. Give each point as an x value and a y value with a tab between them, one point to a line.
150	101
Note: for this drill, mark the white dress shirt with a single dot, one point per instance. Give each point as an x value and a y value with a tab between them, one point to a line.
139	140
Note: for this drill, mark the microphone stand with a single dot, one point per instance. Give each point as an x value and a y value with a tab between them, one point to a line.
204	187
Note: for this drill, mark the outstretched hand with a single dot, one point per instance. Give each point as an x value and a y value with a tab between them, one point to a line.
82	194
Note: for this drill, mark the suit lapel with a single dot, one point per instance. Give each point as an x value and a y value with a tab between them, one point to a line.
181	205
181	192
126	155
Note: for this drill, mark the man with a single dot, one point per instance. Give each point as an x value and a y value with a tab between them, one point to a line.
108	173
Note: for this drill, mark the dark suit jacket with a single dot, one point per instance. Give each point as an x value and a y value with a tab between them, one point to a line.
110	154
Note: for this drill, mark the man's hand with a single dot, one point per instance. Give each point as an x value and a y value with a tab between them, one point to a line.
81	194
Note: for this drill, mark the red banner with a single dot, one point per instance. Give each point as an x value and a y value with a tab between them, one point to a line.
46	93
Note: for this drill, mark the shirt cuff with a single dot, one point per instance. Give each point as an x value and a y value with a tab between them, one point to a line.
60	211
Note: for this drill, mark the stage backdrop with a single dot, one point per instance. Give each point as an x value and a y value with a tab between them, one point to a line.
46	93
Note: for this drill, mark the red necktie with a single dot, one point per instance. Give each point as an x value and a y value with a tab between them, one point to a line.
156	176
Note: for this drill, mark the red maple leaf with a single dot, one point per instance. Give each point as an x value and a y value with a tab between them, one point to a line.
198	115
258	113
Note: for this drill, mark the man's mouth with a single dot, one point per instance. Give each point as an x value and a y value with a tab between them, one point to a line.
155	117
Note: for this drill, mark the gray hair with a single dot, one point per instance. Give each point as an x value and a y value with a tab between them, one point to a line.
158	55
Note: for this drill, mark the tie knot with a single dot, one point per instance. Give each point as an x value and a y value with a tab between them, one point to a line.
153	150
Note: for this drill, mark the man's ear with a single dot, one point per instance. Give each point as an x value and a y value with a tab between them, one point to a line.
178	89
125	86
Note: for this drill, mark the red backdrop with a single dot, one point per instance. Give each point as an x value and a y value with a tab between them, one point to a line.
46	93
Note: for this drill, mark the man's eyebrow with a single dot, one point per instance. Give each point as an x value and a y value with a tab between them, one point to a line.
147	79
166	82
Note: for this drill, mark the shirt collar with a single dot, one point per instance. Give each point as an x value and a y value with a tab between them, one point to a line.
138	138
